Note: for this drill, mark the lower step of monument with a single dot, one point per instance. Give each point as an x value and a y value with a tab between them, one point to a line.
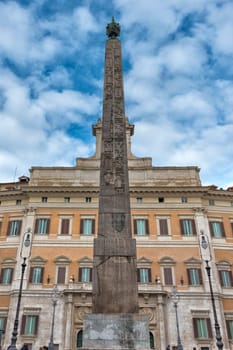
116	331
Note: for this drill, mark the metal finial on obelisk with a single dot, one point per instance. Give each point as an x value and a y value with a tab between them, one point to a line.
113	29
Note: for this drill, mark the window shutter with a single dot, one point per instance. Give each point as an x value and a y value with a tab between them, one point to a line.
220	277
61	274
194	227
93	226
23	324
200	276
228	329
138	274
8	228
135	226
147	226
48	226
90	274
232	227
36	225
81	225
163	227
181	226
42	275
189	277
195	330
211	228
149	275
11	275
65	226
168	276
0	227
222	229
1	274
80	274
31	274
36	324
231	278
209	328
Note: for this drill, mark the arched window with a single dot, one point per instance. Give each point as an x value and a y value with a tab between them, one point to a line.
80	339
152	343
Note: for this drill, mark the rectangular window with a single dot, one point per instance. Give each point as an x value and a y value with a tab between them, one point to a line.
14	227
36	274
211	202
230	329
44	199
217	229
144	275
42	226
18	201
188	227
61	275
87	226
88	199
168	280
3	323
85	274
67	199
6	275
184	200
65	226
163	227
30	325
141	227
194	277
139	199
202	328
226	279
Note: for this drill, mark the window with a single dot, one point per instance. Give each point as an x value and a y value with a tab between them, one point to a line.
188	227
44	199
14	227
152	342
230	329
67	199
85	274
65	226
80	339
161	199
202	328
88	199
61	275
225	277
211	202
42	226
163	227
141	227
139	199
36	274
87	226
30	325
6	275
144	275
0	226
168	280
184	200
3	323
18	201
217	229
194	276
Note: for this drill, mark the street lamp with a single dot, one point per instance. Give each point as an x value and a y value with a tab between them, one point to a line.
24	254
55	295
175	298
204	243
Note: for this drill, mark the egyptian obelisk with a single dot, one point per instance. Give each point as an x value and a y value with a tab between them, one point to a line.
115	322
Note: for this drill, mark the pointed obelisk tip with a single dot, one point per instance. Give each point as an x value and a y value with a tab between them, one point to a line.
113	29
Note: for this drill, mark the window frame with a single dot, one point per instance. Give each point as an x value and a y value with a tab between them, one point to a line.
142	231
194	277
9	277
213	224
144	275
14	228
42	226
83	227
33	278
208	328
25	320
81	276
188	227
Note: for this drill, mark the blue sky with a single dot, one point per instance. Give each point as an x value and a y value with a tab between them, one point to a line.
177	58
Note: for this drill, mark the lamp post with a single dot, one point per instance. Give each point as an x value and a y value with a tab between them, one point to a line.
24	254
175	298
204	243
55	295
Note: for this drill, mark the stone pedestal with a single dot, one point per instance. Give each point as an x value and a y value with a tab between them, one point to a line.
116	331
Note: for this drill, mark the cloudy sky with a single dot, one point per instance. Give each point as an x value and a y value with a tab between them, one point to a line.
177	58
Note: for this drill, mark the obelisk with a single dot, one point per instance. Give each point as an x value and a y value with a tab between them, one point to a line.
115	322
